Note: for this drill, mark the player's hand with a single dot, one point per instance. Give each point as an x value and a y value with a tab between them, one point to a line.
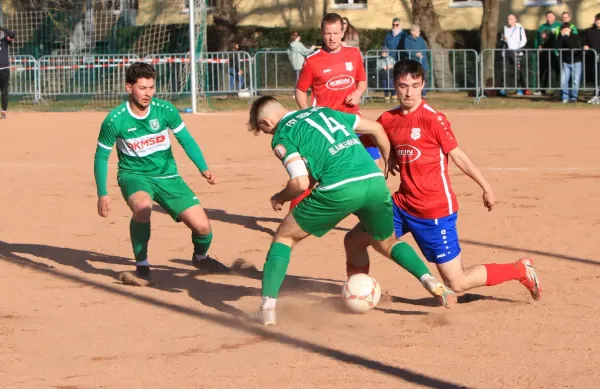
353	98
103	206
211	177
393	166
489	199
276	202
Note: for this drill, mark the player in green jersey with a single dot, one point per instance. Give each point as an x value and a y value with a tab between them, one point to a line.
147	170
324	141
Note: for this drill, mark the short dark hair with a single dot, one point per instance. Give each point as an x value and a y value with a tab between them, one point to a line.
549	12
408	66
331	18
257	105
139	70
565	25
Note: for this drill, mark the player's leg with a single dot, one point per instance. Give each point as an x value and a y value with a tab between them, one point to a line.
180	202
316	215
438	240
377	228
4	83
137	192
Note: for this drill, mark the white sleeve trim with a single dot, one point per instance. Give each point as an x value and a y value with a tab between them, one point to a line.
296	169
356	123
104	146
179	128
292	155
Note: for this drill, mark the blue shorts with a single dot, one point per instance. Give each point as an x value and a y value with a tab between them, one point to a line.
437	238
373	151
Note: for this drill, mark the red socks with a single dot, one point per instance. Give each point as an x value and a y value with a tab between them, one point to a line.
352	270
297	200
499	273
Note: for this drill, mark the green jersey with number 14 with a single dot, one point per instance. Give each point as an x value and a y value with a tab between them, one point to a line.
326	140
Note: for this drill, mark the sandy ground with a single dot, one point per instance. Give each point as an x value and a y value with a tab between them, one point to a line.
67	322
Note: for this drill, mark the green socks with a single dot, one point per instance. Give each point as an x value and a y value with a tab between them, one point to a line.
275	268
201	243
140	235
405	256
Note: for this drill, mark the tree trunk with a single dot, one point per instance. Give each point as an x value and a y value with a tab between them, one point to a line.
424	16
489	37
226	23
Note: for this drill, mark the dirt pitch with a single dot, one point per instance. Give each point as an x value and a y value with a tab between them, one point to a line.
67	322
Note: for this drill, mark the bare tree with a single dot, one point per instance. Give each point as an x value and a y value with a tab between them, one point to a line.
489	35
425	16
41	5
226	22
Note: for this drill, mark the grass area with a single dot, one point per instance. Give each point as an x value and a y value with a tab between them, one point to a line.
440	101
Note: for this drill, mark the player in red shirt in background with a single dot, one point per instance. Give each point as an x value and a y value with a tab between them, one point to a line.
336	74
425	204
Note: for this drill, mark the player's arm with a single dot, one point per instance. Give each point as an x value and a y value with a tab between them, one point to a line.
298	183
364	126
302	86
466	165
106	141
361	81
191	148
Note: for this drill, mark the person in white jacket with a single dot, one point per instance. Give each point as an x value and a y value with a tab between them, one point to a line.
514	39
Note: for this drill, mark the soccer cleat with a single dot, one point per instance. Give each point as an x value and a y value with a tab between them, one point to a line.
529	277
3	115
208	264
265	316
444	295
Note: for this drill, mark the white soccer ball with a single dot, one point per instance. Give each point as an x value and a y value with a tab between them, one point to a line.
361	292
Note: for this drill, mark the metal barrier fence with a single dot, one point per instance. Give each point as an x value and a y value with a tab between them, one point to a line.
23	77
445	70
533	70
218	73
274	72
82	75
568	71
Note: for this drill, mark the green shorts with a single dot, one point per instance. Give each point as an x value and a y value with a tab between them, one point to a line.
370	200
172	193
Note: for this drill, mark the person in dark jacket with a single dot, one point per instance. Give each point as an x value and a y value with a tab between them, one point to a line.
592	42
394	38
571	57
416	48
5	68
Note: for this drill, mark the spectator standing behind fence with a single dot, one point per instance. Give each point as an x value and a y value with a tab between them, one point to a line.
5	68
546	39
385	65
393	39
592	42
565	17
235	70
351	37
416	49
297	52
514	39
571	59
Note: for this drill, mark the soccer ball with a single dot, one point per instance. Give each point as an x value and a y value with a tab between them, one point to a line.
361	292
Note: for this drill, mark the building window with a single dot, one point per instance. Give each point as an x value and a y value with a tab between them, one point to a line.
465	3
349	4
542	2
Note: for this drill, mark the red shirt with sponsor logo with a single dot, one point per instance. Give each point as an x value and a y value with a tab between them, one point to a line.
422	140
333	76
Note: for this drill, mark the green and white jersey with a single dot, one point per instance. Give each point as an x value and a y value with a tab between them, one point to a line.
143	143
326	140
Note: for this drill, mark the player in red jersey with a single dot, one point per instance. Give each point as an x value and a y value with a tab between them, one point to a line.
425	203
336	74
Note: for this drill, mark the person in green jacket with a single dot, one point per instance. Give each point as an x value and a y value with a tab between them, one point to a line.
565	17
545	39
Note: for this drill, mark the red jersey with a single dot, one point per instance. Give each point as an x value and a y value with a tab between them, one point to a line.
333	76
422	140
